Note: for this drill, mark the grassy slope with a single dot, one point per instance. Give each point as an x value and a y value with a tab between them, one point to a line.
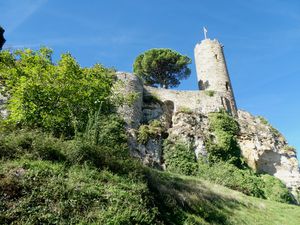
43	192
205	203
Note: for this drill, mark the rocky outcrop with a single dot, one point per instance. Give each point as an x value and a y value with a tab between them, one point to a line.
267	151
192	127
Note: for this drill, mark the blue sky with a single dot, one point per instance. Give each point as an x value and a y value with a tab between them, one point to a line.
261	39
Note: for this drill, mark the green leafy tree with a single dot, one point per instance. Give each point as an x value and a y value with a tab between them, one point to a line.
55	97
163	67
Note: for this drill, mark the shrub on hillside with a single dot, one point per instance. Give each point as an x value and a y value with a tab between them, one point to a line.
275	190
245	181
31	144
179	157
152	130
106	131
228	175
224	147
109	150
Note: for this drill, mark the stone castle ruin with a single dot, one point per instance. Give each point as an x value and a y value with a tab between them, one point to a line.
184	114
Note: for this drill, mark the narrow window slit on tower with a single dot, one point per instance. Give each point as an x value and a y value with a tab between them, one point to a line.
216	56
227	86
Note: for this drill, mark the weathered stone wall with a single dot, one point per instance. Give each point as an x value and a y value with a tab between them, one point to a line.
199	101
131	112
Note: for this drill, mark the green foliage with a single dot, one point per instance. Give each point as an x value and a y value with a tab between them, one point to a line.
209	93
90	184
263	120
7	61
228	175
152	130
225	165
275	190
163	67
91	179
103	144
56	98
223	122
245	181
105	130
40	192
297	196
179	157
32	144
225	146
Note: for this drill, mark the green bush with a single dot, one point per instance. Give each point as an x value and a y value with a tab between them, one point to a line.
230	176
245	181
179	157
151	98
32	144
223	122
106	130
224	147
103	144
275	190
153	130
56	98
119	98
289	149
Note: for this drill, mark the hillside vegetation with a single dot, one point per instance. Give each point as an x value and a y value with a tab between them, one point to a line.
64	158
44	180
56	182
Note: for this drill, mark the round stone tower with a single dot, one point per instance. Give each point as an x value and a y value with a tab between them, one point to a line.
212	72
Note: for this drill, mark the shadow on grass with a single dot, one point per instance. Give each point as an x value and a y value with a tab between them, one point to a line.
182	201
